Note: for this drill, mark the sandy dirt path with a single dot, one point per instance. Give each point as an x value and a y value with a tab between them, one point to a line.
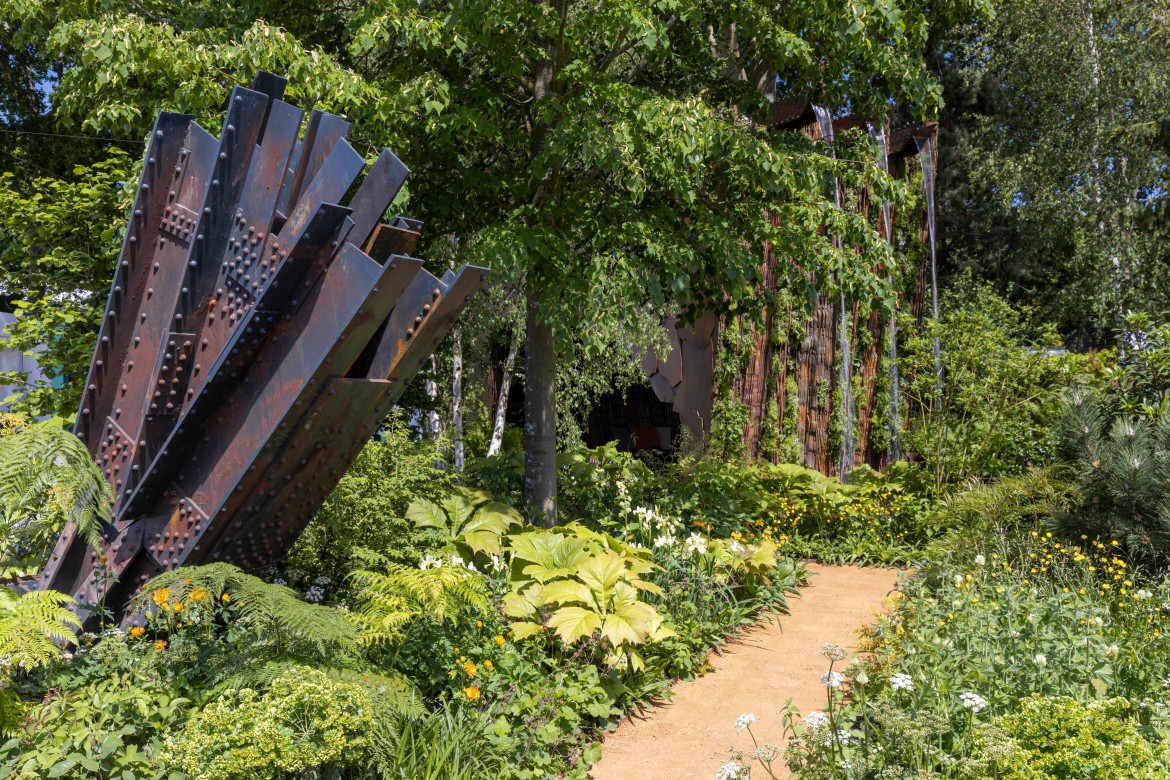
758	672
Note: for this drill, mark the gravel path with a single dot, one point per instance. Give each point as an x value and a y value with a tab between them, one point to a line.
759	671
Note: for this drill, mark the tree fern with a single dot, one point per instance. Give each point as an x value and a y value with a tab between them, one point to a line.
391	602
43	467
34	626
271	611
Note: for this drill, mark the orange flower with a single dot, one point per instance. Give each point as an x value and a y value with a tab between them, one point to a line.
161	596
499	639
469	667
137	631
198	594
471	692
160	645
479	624
178	607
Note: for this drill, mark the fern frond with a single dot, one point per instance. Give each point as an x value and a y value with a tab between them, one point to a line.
391	602
34	625
43	464
268	610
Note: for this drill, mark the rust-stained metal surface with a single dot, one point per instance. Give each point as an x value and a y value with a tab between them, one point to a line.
790	372
257	332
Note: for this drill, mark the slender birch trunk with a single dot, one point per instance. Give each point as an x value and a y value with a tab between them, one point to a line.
505	387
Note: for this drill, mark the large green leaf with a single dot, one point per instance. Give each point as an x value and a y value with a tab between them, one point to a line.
485	529
568	592
427	514
573	623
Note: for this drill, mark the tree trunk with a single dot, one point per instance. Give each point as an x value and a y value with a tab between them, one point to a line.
540	419
502	404
457	400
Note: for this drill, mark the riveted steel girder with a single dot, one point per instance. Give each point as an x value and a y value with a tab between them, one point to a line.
257	331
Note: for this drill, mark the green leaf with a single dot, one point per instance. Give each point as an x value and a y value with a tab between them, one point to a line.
573	623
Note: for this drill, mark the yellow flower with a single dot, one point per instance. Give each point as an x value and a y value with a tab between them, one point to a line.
479	624
161	596
103	558
469	669
499	639
488	665
178	607
226	597
198	594
160	645
471	692
137	631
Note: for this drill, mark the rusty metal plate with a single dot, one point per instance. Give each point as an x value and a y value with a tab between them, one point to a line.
231	383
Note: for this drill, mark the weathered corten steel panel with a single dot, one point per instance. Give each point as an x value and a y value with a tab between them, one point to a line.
250	347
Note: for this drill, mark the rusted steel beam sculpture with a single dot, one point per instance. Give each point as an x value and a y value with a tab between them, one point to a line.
256	333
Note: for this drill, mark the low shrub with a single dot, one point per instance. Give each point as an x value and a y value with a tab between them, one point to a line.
305	720
1058	738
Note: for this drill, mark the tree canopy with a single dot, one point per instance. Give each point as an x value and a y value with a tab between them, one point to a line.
600	156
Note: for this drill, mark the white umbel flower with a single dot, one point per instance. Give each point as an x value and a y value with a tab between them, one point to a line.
815	720
973	701
315	594
832	679
744	721
901	682
729	771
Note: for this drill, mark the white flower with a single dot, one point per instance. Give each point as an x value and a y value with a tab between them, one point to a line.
744	721
666	540
735	547
832	679
696	543
902	682
322	581
862	678
1097	622
973	702
815	720
958	580
1112	651
1144	594
280	581
430	562
980	560
498	563
315	594
456	560
1040	660
729	771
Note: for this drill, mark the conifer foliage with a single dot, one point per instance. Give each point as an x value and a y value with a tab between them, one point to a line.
1122	474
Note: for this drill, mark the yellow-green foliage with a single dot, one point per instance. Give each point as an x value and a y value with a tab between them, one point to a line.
585	583
1057	738
47	477
33	626
305	720
391	602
